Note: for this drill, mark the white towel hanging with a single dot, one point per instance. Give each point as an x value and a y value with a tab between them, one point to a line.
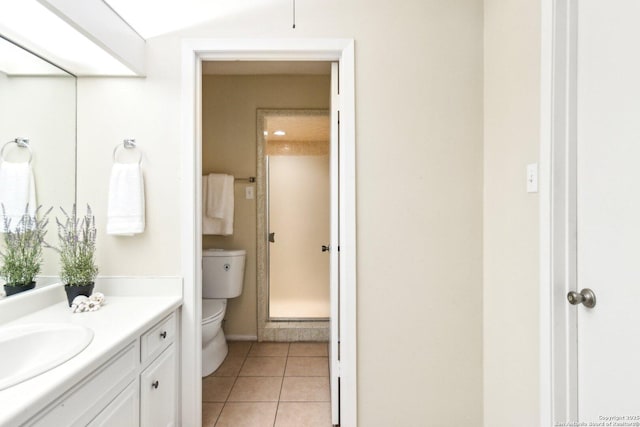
219	195
17	190
126	210
217	199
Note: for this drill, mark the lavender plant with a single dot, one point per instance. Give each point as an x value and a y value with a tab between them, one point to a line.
77	248
22	256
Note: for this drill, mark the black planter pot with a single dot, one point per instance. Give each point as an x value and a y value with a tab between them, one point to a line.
12	290
73	291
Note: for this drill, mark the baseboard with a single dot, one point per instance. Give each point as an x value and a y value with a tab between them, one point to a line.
234	337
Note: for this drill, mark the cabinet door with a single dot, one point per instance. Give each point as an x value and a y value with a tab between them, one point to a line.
88	399
158	391
122	411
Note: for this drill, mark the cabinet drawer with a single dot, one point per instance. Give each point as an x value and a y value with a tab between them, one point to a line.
83	402
157	338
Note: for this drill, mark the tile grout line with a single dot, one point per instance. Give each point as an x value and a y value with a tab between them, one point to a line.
275	417
226	400
287	356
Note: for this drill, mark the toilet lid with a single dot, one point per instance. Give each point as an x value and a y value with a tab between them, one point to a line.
223	252
212	308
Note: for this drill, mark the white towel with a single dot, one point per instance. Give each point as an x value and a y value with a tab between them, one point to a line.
17	189
219	195
219	226
125	212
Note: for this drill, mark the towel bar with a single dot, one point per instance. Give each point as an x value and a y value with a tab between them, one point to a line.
20	142
249	179
128	144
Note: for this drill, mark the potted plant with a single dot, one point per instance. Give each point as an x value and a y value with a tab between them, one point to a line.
22	255
77	251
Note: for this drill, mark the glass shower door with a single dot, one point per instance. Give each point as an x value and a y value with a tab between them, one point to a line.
298	202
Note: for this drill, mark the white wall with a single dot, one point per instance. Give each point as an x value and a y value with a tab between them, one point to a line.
419	188
511	141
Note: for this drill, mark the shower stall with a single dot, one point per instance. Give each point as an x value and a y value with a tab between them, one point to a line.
294	225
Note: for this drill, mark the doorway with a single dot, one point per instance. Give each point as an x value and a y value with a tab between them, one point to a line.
591	276
293	174
193	53
297	147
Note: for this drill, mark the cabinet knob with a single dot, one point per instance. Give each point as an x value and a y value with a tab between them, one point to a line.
163	334
155	384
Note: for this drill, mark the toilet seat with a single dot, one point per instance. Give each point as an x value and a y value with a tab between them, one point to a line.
213	310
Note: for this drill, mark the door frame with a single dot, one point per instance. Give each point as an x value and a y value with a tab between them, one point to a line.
558	118
194	51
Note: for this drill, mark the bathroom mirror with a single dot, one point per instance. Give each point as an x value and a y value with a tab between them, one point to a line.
38	102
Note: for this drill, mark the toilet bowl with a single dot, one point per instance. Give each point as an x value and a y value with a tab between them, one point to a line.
214	344
222	278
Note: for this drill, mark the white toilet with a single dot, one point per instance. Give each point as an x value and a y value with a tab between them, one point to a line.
222	278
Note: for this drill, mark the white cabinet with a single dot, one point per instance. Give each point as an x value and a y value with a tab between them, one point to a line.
136	387
158	391
158	380
88	398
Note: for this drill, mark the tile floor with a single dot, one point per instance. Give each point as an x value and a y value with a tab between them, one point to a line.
270	385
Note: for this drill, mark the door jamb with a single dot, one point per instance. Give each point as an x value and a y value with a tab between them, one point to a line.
194	51
558	324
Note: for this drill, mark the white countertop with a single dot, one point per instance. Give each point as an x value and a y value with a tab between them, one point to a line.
120	321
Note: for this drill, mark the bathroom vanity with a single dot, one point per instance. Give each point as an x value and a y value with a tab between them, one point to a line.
126	376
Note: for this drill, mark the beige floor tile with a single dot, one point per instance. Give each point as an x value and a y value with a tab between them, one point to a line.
216	389
303	414
238	348
309	349
269	349
307	367
256	389
230	367
210	412
263	367
305	389
254	414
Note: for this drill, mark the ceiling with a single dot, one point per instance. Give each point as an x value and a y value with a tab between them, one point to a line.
120	50
298	128
266	67
152	18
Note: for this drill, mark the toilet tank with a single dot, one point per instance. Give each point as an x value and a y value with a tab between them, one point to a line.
222	273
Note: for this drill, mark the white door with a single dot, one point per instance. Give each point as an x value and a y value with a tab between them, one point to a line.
608	211
334	267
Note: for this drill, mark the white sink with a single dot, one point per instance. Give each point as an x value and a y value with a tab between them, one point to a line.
30	349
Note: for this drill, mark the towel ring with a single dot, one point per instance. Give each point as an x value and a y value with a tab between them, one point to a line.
127	144
20	142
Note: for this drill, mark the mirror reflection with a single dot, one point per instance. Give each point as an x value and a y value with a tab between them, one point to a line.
38	138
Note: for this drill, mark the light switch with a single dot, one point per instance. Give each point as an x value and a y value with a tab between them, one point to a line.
248	192
532	178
